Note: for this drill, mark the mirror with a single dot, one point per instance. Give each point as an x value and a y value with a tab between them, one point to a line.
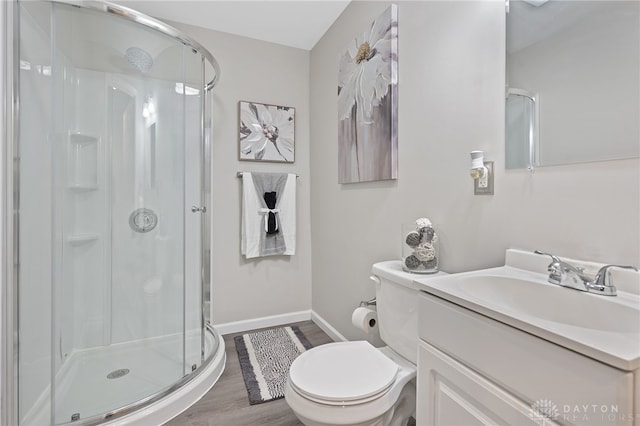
573	82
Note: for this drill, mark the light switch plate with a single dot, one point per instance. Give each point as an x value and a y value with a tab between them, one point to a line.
488	190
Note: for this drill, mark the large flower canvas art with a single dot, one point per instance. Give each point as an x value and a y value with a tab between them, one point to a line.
267	132
367	103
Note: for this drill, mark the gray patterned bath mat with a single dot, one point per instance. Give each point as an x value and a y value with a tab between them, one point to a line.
265	357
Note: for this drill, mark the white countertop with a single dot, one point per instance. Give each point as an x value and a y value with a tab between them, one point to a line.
606	328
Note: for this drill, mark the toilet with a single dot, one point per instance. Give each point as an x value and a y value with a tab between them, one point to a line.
355	383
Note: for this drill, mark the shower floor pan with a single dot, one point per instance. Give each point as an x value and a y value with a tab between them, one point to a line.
97	381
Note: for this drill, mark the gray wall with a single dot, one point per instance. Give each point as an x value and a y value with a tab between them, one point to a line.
451	80
269	73
451	84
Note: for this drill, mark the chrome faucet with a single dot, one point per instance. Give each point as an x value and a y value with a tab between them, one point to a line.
567	275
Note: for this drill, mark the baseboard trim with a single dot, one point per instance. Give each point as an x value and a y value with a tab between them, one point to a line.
262	322
327	328
281	319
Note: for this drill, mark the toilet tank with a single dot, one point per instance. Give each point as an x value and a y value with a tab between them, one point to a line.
397	306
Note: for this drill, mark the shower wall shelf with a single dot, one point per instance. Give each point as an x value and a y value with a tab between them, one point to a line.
80	239
83	161
82	188
82	138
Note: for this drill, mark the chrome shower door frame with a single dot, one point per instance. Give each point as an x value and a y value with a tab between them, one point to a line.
9	90
10	199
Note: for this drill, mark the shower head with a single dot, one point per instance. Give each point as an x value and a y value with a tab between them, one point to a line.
139	59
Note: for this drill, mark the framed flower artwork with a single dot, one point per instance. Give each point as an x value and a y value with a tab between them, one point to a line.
368	104
267	132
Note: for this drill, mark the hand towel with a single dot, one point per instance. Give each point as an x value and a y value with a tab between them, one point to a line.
268	214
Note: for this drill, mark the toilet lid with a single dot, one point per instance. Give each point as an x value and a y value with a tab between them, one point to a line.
342	373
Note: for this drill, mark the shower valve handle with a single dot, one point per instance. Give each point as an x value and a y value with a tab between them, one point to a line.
196	209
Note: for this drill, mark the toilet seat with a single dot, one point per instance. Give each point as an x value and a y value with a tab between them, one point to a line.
344	373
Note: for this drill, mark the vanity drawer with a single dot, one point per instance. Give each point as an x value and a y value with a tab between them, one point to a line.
532	369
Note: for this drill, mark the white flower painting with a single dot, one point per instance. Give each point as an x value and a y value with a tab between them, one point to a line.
367	103
267	132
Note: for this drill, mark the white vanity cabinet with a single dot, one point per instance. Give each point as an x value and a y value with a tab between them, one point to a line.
474	370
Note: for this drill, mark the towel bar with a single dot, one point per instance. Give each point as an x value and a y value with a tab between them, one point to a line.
239	174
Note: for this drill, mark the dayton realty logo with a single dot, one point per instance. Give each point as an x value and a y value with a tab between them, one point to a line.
544	412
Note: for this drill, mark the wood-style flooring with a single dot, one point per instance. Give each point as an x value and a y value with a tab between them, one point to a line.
227	403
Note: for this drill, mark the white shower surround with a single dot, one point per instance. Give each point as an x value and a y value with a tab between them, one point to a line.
85	194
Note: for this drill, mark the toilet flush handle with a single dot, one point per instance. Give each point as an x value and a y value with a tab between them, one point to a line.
375	280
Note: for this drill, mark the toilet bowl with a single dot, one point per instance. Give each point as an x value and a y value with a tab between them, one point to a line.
351	383
355	383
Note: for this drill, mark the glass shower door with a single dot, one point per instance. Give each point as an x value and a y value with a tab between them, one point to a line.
119	213
521	129
111	213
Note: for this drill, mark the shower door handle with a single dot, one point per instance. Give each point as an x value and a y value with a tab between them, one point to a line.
196	209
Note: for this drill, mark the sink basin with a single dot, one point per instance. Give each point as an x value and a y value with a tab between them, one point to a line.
606	328
551	302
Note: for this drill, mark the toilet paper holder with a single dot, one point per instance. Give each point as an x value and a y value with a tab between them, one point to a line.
365	303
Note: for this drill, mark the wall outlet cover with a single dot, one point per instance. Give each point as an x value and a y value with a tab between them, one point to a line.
488	188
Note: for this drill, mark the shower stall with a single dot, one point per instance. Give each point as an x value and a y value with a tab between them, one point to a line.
106	310
522	112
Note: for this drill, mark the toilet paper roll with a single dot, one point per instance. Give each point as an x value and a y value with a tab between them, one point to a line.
365	319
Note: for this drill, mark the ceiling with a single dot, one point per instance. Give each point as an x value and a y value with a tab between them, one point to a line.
295	23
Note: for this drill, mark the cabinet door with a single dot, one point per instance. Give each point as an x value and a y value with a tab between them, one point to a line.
451	394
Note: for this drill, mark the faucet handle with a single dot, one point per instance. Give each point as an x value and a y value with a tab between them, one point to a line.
553	257
602	277
554	268
555	265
